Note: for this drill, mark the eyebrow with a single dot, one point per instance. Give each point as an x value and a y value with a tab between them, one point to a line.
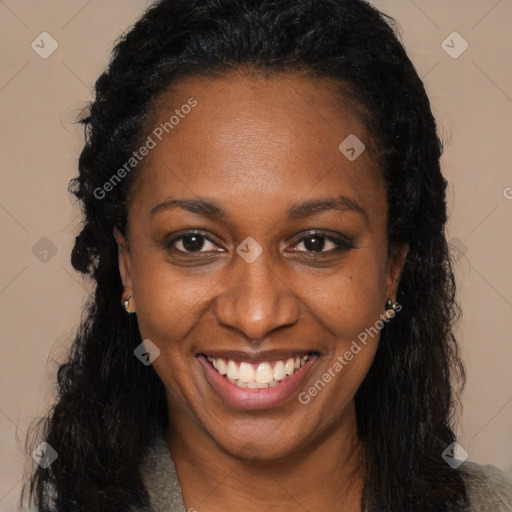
199	206
341	203
297	211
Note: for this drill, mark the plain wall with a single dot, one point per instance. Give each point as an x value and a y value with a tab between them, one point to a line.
39	98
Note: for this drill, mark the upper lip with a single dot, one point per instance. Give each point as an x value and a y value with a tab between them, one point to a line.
260	355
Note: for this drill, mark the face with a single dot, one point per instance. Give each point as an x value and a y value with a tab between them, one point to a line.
257	256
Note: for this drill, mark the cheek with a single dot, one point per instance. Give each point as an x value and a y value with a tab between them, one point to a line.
169	301
349	307
335	386
349	301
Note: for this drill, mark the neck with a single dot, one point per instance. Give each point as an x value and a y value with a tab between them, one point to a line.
321	475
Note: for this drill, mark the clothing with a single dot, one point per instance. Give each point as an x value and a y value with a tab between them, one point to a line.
160	478
489	489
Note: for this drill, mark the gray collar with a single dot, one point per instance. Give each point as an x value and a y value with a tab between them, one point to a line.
160	478
489	488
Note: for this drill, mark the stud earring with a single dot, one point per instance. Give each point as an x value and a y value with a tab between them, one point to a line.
126	302
391	305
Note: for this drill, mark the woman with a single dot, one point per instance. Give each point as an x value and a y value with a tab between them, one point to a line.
272	323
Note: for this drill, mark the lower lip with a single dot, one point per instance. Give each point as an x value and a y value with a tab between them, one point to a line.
244	398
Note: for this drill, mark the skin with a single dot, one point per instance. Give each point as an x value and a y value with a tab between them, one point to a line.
257	147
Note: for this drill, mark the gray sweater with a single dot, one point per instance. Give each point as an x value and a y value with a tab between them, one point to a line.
489	488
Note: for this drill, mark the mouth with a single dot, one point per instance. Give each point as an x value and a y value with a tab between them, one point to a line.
260	374
256	381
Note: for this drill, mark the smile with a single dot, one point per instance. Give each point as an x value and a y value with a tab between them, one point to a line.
260	375
256	381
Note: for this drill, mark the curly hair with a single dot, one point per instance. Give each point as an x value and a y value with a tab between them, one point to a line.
108	404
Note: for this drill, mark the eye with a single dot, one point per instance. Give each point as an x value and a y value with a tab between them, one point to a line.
317	242
196	242
192	242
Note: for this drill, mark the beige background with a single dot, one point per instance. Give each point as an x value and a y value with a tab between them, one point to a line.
39	99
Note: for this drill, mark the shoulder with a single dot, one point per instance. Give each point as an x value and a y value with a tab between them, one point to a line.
160	479
488	487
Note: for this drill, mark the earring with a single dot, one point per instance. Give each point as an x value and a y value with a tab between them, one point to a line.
391	305
126	302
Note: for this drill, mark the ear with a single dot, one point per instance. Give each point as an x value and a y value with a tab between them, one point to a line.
396	263
125	266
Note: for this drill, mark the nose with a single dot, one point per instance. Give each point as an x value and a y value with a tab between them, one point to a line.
255	300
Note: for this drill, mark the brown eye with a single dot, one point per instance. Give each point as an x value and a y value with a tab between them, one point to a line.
315	243
192	242
322	243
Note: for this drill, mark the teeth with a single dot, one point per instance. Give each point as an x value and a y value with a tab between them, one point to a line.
266	375
221	367
245	372
232	372
279	371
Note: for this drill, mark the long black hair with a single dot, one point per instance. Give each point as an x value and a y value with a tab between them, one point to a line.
108	403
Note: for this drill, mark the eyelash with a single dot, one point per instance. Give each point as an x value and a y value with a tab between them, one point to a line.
341	243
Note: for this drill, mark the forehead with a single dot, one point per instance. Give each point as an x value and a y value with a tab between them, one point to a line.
272	138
